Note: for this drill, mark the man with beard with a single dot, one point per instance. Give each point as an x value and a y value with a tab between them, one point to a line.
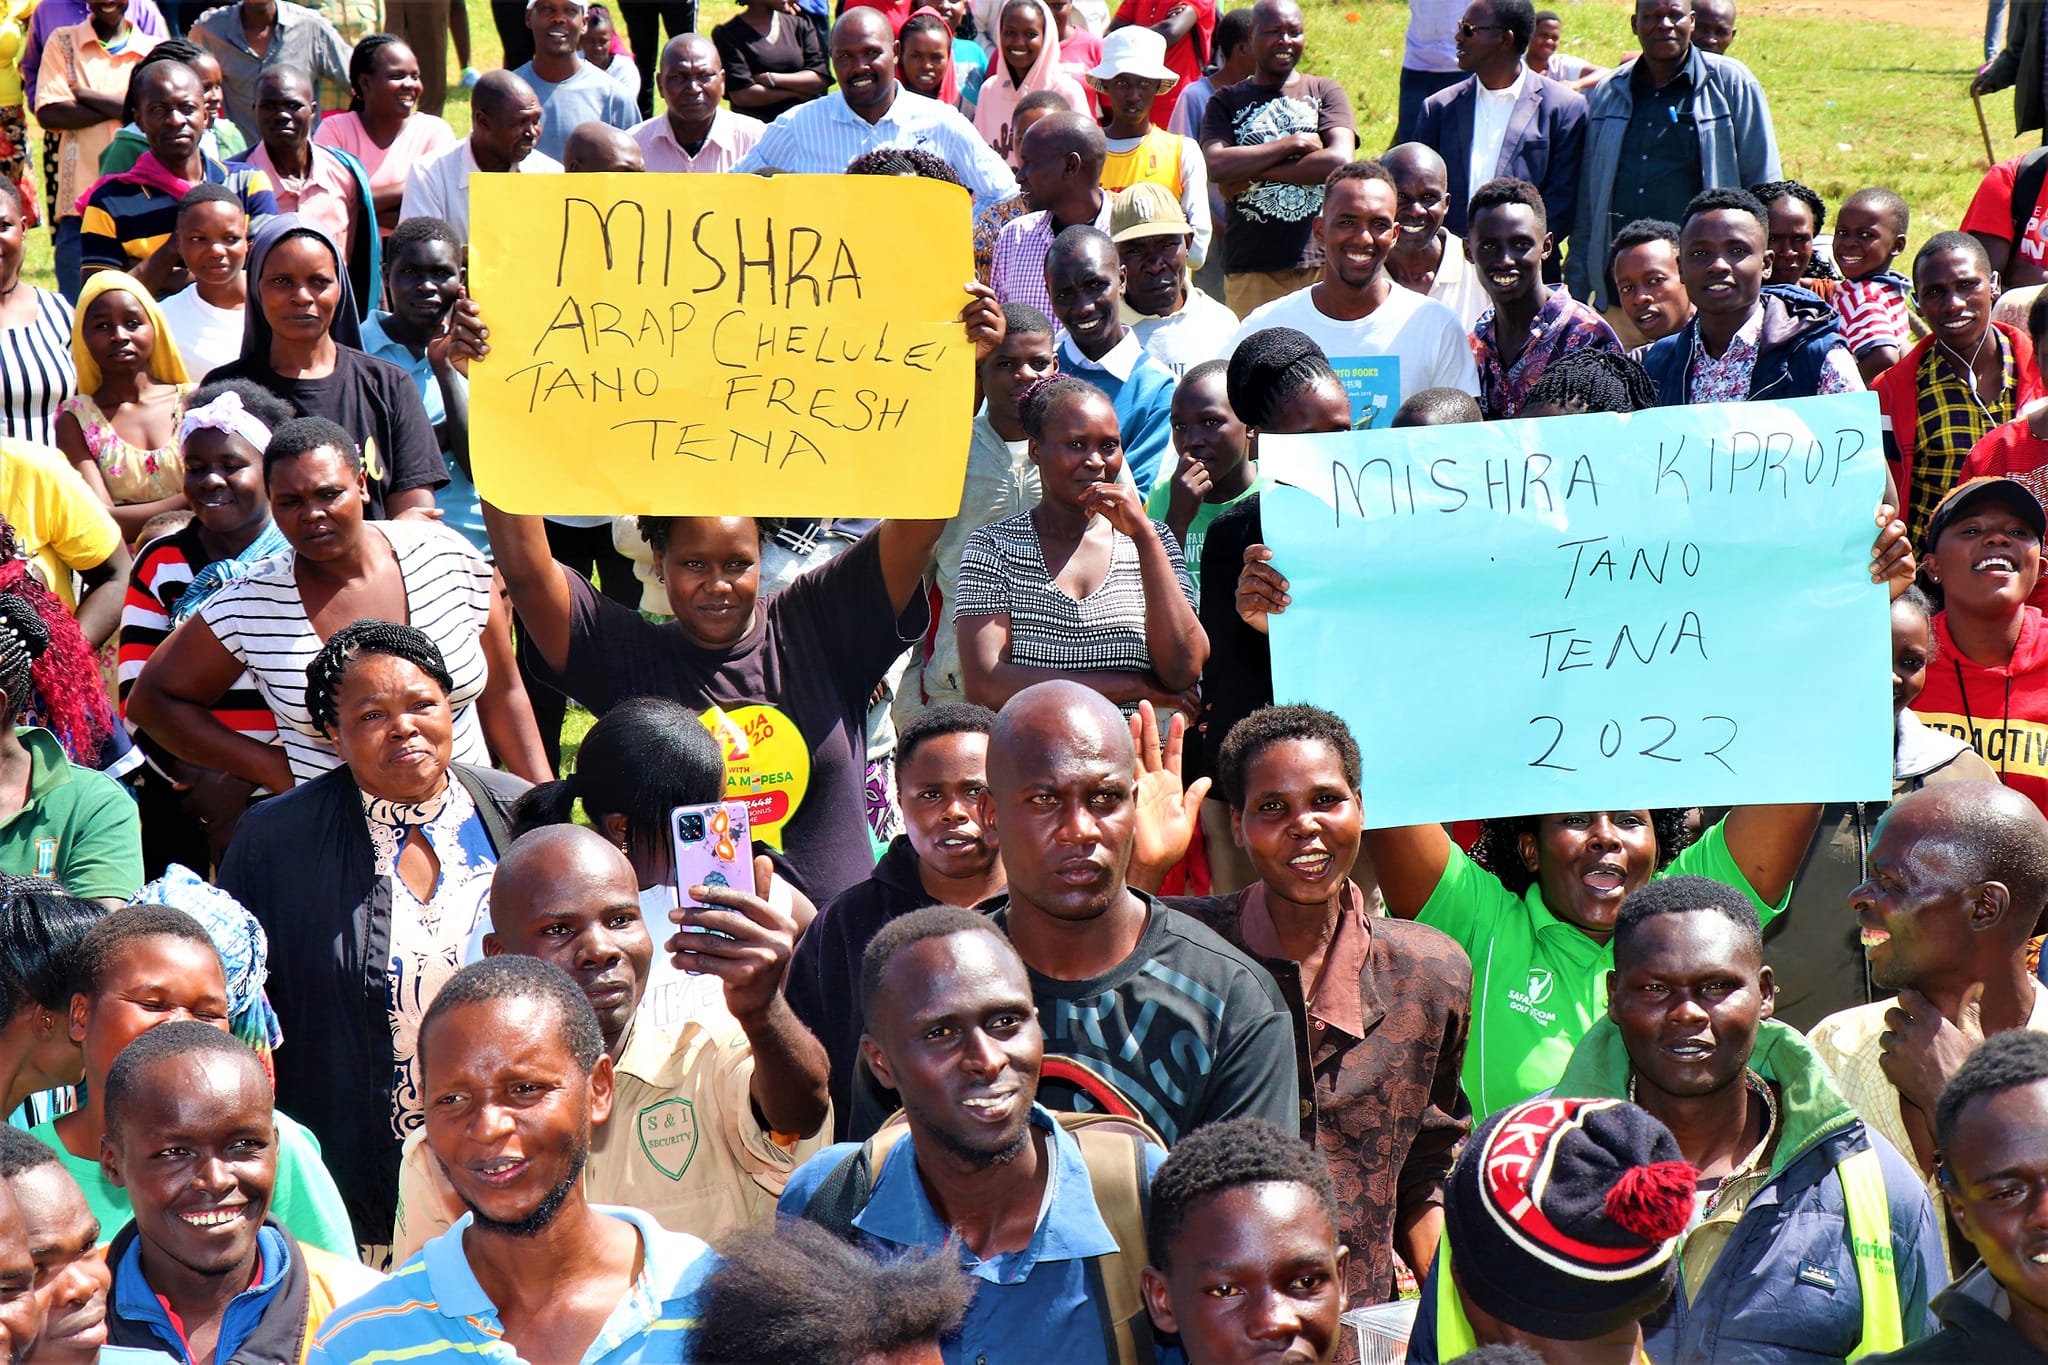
1795	1191
1047	1218
1957	878
710	1117
515	1074
205	1271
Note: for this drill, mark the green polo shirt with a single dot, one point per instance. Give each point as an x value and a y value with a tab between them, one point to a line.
78	826
1538	983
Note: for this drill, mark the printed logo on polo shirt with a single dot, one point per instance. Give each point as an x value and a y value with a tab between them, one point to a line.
767	765
668	1134
46	857
1530	1000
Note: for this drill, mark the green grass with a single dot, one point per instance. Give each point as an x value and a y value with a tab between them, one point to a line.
1875	101
1863	102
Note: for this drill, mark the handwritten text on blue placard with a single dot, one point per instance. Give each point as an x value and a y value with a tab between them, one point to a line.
1667	608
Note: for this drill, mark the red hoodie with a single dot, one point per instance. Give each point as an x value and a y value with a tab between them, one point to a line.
2012	451
2002	713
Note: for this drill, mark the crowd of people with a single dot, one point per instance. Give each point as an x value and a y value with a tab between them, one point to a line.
1069	1010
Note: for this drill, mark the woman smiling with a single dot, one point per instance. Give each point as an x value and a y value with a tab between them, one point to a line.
373	882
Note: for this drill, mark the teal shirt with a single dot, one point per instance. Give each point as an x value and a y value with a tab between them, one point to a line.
1538	983
305	1199
79	826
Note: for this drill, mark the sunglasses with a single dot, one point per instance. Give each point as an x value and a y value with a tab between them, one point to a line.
1466	30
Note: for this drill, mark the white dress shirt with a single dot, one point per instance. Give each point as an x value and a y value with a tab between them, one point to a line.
439	186
1490	115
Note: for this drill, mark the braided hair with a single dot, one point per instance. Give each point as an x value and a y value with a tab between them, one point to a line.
1499	847
1771	191
1603	381
46	664
914	161
363	61
1037	400
357	640
1270	367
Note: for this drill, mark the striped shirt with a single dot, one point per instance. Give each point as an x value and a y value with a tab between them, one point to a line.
1003	573
36	372
432	1308
262	621
823	136
124	223
1874	312
162	570
1017	264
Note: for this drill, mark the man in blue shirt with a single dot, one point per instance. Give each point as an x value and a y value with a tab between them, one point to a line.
205	1271
571	91
1085	276
871	110
514	1076
422	281
952	1029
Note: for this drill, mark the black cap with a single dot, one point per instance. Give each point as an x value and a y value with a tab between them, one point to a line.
1965	498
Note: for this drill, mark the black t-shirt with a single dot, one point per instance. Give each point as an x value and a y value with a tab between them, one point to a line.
1185	1031
797	687
1238	679
1271	226
375	402
747	52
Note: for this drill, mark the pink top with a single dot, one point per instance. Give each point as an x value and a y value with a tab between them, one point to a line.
325	195
419	137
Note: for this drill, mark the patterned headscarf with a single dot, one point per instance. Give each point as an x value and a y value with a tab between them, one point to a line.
243	946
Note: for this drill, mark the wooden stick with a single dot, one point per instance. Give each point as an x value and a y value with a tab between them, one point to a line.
1990	157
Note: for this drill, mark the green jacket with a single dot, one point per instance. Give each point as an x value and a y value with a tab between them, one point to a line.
1786	1272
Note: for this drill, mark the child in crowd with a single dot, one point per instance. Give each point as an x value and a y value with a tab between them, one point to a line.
1215	468
1242	1212
600	47
213	244
120	429
924	57
147	965
1877	321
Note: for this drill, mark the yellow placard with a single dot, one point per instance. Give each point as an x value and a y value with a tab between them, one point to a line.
721	345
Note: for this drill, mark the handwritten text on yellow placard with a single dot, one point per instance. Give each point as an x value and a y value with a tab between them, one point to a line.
721	345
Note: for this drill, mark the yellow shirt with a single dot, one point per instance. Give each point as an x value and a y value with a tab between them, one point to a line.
1156	158
58	523
682	1142
1847	1041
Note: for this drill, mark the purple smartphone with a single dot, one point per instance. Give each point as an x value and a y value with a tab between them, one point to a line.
711	849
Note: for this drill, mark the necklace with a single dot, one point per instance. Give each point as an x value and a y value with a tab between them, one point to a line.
1749	1164
1969	366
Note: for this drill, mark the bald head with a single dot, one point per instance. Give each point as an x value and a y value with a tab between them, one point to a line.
498	93
1049	719
686	46
595	147
1989	832
566	895
540	866
1061	135
1414	158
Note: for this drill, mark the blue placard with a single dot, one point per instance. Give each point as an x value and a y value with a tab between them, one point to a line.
1668	608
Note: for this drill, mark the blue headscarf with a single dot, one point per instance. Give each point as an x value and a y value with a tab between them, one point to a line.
244	950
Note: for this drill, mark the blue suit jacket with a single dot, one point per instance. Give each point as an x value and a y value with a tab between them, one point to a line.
1546	137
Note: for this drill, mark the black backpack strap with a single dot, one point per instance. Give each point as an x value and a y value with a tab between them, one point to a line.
2027	181
841	1195
844	1192
497	828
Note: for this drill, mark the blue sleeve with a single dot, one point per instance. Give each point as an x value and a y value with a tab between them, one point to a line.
1422	1336
766	154
259	203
